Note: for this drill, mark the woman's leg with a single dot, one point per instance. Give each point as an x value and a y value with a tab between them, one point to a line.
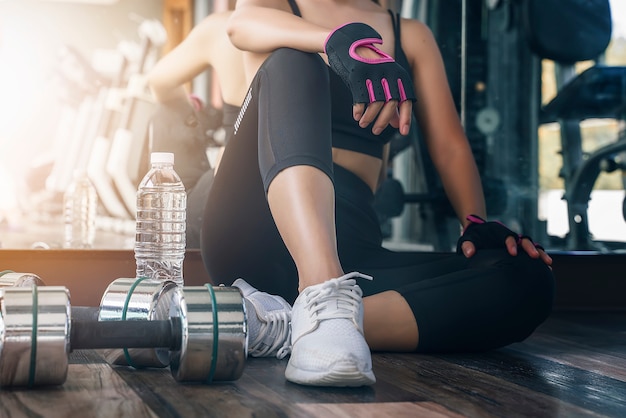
388	323
301	199
436	302
292	162
487	302
239	238
295	161
293	245
490	302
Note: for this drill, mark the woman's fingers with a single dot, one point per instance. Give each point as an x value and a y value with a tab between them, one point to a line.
535	252
406	112
382	114
511	245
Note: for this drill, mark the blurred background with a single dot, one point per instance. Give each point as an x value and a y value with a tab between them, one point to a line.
73	95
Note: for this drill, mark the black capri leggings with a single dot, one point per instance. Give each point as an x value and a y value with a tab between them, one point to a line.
485	302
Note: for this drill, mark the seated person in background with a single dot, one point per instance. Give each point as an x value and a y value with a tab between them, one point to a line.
179	126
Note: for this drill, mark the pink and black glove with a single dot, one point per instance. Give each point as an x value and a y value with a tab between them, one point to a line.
485	235
369	80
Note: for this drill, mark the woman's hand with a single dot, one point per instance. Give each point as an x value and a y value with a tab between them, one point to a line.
533	249
381	89
469	249
480	234
394	113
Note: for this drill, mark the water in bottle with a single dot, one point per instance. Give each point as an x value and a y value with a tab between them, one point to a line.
161	217
80	205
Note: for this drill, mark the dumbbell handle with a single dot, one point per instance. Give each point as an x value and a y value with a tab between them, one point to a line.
89	333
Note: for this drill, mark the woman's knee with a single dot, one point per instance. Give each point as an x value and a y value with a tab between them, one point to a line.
296	76
531	295
529	290
294	113
291	61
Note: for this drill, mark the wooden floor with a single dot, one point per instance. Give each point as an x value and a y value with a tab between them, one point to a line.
573	366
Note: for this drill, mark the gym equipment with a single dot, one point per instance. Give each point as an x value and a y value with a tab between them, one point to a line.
205	334
80	95
137	299
127	146
10	278
103	121
599	92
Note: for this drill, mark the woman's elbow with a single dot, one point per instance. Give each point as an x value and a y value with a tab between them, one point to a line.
160	85
155	84
152	80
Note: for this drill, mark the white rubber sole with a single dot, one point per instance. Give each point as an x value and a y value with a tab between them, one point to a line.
346	375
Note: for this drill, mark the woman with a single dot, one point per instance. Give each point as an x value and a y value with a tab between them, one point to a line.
291	207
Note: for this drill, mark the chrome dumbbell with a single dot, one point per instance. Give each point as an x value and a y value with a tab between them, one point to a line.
204	334
151	300
138	299
9	278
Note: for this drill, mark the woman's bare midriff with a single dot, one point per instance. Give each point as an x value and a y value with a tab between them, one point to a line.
366	167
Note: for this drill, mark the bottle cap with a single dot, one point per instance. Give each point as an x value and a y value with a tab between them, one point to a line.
162	157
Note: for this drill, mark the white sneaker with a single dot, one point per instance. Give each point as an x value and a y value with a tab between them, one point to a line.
328	347
271	333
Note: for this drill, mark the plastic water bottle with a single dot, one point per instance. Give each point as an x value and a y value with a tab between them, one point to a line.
161	221
80	206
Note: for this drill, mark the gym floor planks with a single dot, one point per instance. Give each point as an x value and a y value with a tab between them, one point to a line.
574	365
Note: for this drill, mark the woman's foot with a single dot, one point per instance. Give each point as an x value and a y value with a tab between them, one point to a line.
328	346
269	317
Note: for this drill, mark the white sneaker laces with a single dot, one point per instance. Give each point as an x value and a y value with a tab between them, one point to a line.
275	334
336	298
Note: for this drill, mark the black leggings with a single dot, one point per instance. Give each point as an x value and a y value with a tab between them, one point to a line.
486	302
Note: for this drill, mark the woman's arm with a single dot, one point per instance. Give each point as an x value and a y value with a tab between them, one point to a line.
262	26
446	140
440	123
192	56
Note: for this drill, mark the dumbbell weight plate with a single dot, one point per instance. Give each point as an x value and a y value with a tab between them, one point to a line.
137	299
214	334
34	335
10	278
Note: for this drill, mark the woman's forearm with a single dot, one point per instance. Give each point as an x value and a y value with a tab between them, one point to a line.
167	78
168	93
463	186
263	30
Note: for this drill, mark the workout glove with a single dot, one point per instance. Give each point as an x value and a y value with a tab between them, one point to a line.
369	80
486	235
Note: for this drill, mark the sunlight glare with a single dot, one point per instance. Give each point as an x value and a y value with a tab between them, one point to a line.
20	79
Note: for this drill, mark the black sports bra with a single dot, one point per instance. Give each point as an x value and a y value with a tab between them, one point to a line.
347	134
